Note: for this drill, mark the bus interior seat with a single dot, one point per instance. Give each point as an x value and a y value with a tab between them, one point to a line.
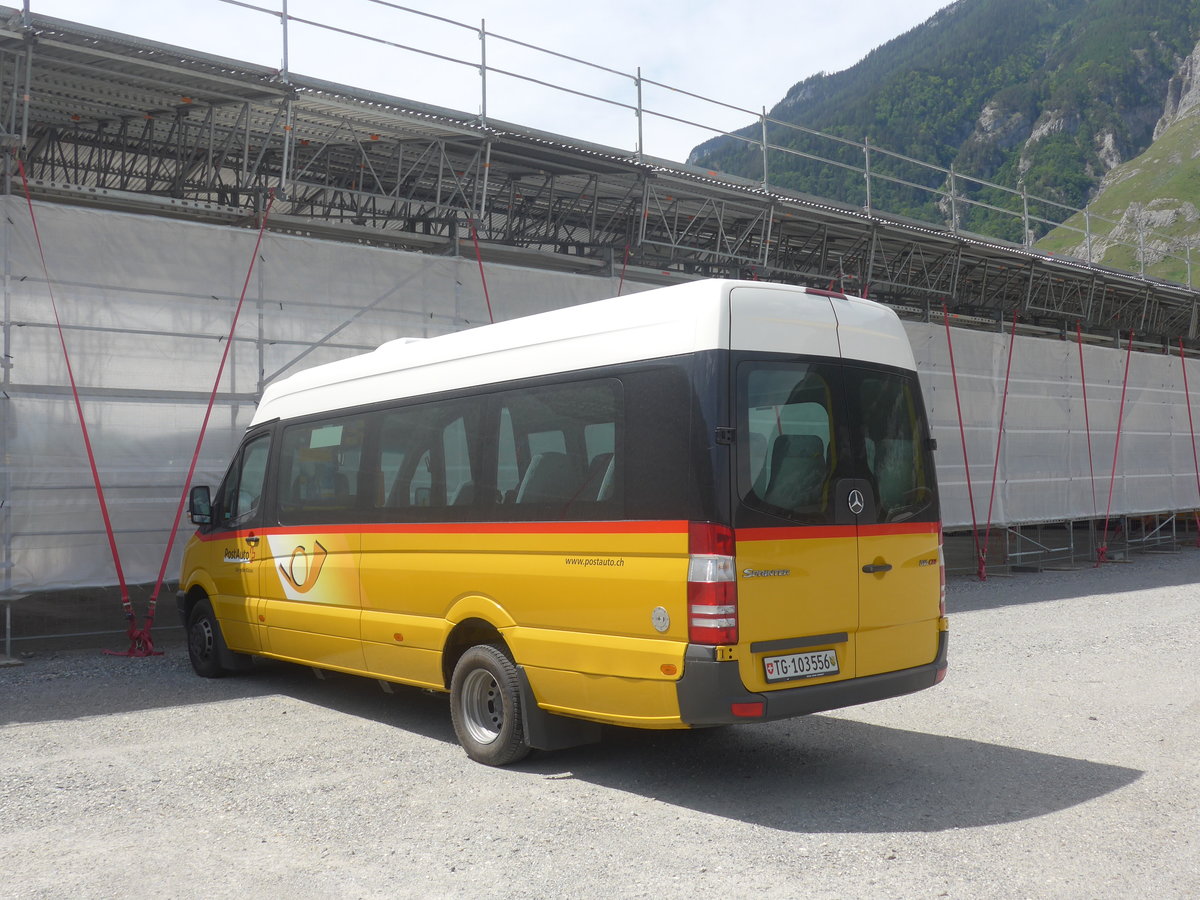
605	490
465	495
758	456
894	466
798	471
550	478
598	479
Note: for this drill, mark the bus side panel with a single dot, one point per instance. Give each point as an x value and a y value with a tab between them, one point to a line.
635	702
584	595
311	598
398	645
227	559
898	608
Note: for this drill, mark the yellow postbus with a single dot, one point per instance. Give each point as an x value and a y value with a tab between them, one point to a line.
700	505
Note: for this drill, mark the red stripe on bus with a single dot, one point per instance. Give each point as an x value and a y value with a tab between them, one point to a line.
813	532
659	527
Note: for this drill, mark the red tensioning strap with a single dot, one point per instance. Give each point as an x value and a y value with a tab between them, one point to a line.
142	637
1187	399
1102	553
87	442
1087	425
624	264
987	531
479	258
963	435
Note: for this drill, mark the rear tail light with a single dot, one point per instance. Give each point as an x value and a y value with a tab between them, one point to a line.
712	585
941	574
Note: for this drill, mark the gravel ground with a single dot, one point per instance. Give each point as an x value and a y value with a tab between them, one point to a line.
1058	759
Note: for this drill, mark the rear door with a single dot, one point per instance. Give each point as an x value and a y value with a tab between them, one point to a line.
797	553
898	559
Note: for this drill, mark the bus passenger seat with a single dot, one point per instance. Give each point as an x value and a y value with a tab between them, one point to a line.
550	478
465	495
593	482
798	471
606	483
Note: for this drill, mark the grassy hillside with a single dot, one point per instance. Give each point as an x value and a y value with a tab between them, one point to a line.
1128	230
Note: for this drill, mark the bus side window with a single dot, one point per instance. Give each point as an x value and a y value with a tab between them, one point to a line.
508	469
428	457
319	475
558	449
239	495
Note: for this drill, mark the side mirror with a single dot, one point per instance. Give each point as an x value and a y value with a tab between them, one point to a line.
200	505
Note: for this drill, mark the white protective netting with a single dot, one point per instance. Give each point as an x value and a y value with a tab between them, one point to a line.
147	303
1044	473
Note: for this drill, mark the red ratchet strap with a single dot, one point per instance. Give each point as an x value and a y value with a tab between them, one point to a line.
479	258
1086	423
987	532
140	642
1187	399
624	265
1102	552
963	435
87	442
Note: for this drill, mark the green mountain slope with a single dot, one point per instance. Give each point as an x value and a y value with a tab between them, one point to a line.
1145	216
1045	94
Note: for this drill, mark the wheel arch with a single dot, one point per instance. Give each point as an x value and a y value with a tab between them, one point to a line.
465	635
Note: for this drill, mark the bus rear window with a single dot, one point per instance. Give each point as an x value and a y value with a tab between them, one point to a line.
805	427
789	450
890	414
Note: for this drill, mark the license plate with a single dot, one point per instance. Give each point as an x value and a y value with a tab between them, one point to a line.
794	666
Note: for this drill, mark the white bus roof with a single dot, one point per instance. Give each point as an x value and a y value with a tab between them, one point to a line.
671	321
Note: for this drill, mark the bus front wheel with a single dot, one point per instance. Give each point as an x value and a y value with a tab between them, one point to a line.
204	641
485	706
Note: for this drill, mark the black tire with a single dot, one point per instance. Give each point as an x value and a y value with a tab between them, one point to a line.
205	642
485	706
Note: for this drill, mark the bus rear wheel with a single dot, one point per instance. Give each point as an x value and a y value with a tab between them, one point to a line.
485	706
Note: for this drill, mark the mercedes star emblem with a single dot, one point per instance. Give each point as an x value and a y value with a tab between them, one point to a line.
857	502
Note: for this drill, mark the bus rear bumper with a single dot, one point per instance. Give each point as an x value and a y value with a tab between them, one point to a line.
710	690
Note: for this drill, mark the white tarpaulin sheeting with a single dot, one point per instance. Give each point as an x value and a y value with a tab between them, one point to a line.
147	303
1044	473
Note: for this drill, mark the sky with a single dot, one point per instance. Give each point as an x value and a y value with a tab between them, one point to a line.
734	54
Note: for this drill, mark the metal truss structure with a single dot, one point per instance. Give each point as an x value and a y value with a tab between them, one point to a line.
102	118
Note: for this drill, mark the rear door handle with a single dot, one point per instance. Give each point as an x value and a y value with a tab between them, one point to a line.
876	568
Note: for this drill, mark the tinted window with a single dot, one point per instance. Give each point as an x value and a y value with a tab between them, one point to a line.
240	495
428	459
319	471
788	446
558	451
805	426
891	419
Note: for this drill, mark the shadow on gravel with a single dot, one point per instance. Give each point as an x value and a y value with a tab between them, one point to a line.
823	774
1146	571
110	685
816	774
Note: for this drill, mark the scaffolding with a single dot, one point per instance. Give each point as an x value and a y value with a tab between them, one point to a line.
125	123
150	166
